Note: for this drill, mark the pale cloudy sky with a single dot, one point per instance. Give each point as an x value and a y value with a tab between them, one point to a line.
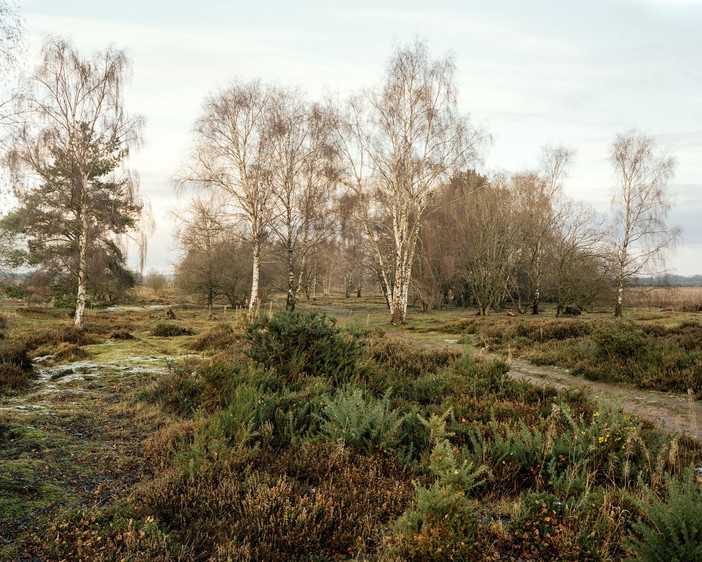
545	71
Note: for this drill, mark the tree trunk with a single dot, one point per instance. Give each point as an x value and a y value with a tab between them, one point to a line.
290	300
398	308
537	281
397	312
314	283
620	297
82	259
255	274
621	274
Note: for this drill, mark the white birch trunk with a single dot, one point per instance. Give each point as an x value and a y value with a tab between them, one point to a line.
82	267
255	275
82	257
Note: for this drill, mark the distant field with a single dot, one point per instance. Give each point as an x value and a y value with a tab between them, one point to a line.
678	298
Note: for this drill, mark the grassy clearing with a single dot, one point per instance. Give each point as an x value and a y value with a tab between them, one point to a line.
311	438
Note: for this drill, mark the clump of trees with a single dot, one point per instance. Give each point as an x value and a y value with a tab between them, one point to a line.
380	190
68	157
383	189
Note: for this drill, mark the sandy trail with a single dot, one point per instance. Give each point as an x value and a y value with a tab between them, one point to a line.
674	412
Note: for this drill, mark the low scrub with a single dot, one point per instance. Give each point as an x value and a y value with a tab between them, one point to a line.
305	442
298	344
16	353
179	390
222	337
170	330
651	356
49	339
16	370
402	360
13	377
671	527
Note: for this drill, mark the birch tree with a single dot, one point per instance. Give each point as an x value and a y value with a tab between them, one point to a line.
11	50
641	205
11	31
577	254
402	141
537	192
232	154
68	155
304	175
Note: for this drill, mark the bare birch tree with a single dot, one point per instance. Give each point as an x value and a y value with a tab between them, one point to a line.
577	254
232	154
73	144
304	175
537	193
641	205
11	49
11	31
488	241
402	141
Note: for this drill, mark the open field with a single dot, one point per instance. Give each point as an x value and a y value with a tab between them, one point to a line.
674	298
292	440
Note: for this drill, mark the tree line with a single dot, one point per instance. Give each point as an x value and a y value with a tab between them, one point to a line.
297	195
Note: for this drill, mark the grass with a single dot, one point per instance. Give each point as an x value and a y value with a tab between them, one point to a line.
200	447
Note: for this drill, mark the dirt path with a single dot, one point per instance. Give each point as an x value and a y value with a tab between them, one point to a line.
674	412
677	413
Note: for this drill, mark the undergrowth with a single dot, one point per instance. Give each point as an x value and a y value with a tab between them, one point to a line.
650	356
296	440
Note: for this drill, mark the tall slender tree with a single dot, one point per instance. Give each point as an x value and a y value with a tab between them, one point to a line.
233	155
11	32
68	156
641	205
537	193
402	141
304	176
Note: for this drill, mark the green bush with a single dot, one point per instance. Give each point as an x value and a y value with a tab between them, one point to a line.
672	525
441	525
361	422
297	344
220	338
179	390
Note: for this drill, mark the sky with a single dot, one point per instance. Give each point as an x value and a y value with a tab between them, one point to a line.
575	73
